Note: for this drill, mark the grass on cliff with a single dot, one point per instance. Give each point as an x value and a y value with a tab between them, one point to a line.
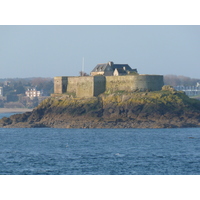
169	99
73	106
157	101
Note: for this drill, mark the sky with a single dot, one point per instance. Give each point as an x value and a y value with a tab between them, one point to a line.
49	51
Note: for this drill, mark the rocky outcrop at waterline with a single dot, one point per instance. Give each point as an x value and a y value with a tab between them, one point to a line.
161	109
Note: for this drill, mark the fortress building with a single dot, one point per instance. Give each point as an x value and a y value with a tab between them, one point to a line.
107	77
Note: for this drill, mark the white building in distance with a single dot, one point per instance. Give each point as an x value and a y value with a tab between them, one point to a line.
1	91
33	93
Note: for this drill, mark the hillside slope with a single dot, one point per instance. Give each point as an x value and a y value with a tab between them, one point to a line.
162	109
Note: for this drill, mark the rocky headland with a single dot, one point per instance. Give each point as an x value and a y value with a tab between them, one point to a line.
161	109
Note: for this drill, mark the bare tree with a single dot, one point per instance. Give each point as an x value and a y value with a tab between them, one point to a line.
175	80
83	73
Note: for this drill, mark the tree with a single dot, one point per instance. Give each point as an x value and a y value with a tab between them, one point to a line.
175	80
83	73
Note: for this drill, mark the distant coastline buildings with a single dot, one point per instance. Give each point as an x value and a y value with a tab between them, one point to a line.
24	93
32	93
189	90
1	91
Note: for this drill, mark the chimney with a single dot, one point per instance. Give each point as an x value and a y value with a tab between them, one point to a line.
110	63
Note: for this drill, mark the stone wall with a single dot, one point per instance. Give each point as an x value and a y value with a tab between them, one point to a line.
149	82
63	84
134	83
89	86
72	84
85	86
99	85
117	83
60	84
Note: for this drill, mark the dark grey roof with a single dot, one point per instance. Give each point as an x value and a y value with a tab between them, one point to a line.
102	67
120	66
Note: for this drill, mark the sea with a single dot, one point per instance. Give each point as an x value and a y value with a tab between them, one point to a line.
52	151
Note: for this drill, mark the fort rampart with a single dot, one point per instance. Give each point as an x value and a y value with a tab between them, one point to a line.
134	83
90	86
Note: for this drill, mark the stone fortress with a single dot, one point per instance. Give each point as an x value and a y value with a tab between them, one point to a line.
107	77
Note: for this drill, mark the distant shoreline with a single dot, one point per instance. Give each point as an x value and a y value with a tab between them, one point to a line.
14	110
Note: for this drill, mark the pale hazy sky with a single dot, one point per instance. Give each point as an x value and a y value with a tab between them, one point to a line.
48	51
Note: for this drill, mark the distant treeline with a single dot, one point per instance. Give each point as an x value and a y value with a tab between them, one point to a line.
20	85
175	80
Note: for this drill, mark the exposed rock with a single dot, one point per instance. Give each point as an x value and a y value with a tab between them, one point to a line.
168	88
162	109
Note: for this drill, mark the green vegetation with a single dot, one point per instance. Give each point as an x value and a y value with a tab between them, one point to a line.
157	102
158	109
108	92
132	73
162	101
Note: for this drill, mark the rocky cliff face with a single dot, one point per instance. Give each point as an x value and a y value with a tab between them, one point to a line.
162	109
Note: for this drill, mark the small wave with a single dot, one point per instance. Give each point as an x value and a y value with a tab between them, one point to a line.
119	154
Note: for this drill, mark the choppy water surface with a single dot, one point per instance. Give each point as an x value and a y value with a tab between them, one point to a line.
99	151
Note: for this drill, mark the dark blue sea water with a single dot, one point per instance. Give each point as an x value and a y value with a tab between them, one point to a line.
99	151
